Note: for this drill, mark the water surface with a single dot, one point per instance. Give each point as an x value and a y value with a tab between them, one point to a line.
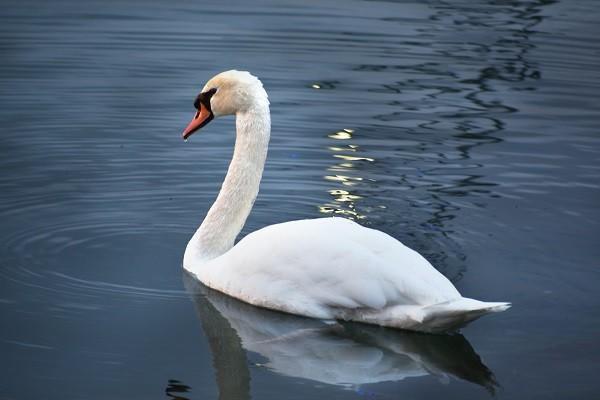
466	129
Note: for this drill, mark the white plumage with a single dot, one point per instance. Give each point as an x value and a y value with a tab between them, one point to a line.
328	268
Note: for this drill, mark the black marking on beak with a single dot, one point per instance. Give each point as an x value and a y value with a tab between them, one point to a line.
203	99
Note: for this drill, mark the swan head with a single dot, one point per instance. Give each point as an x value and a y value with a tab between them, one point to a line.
227	93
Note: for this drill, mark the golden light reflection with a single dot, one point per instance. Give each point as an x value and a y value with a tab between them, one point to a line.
343	195
315	86
346	180
352	158
332	209
344	134
342	148
344	173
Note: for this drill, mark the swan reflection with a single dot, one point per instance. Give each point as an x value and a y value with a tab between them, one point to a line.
343	354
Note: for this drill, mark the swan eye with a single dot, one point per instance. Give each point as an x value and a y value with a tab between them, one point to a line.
204	99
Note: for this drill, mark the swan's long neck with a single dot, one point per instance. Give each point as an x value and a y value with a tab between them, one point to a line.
227	216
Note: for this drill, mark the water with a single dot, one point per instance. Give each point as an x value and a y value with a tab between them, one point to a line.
466	129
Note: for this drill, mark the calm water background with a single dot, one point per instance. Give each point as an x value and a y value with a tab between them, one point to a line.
466	129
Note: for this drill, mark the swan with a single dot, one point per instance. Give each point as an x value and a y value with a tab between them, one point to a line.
327	268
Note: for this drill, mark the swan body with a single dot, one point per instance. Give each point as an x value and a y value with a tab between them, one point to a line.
327	268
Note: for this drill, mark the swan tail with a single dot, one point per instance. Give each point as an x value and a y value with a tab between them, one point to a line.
454	314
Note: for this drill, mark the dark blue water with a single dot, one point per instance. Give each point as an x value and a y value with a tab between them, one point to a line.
469	130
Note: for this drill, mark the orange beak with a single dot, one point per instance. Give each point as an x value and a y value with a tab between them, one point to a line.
203	116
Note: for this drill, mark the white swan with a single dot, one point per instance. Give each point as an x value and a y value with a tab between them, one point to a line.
327	268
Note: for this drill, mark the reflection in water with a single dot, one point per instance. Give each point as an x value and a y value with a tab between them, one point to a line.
324	85
344	173
343	354
458	98
175	389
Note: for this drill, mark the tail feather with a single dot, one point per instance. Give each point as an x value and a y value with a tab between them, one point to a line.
457	313
436	318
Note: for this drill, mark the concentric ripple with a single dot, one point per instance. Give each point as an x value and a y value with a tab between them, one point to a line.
106	256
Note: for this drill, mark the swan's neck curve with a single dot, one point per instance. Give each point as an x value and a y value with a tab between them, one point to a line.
226	217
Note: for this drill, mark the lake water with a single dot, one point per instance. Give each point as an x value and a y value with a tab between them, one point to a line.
469	130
